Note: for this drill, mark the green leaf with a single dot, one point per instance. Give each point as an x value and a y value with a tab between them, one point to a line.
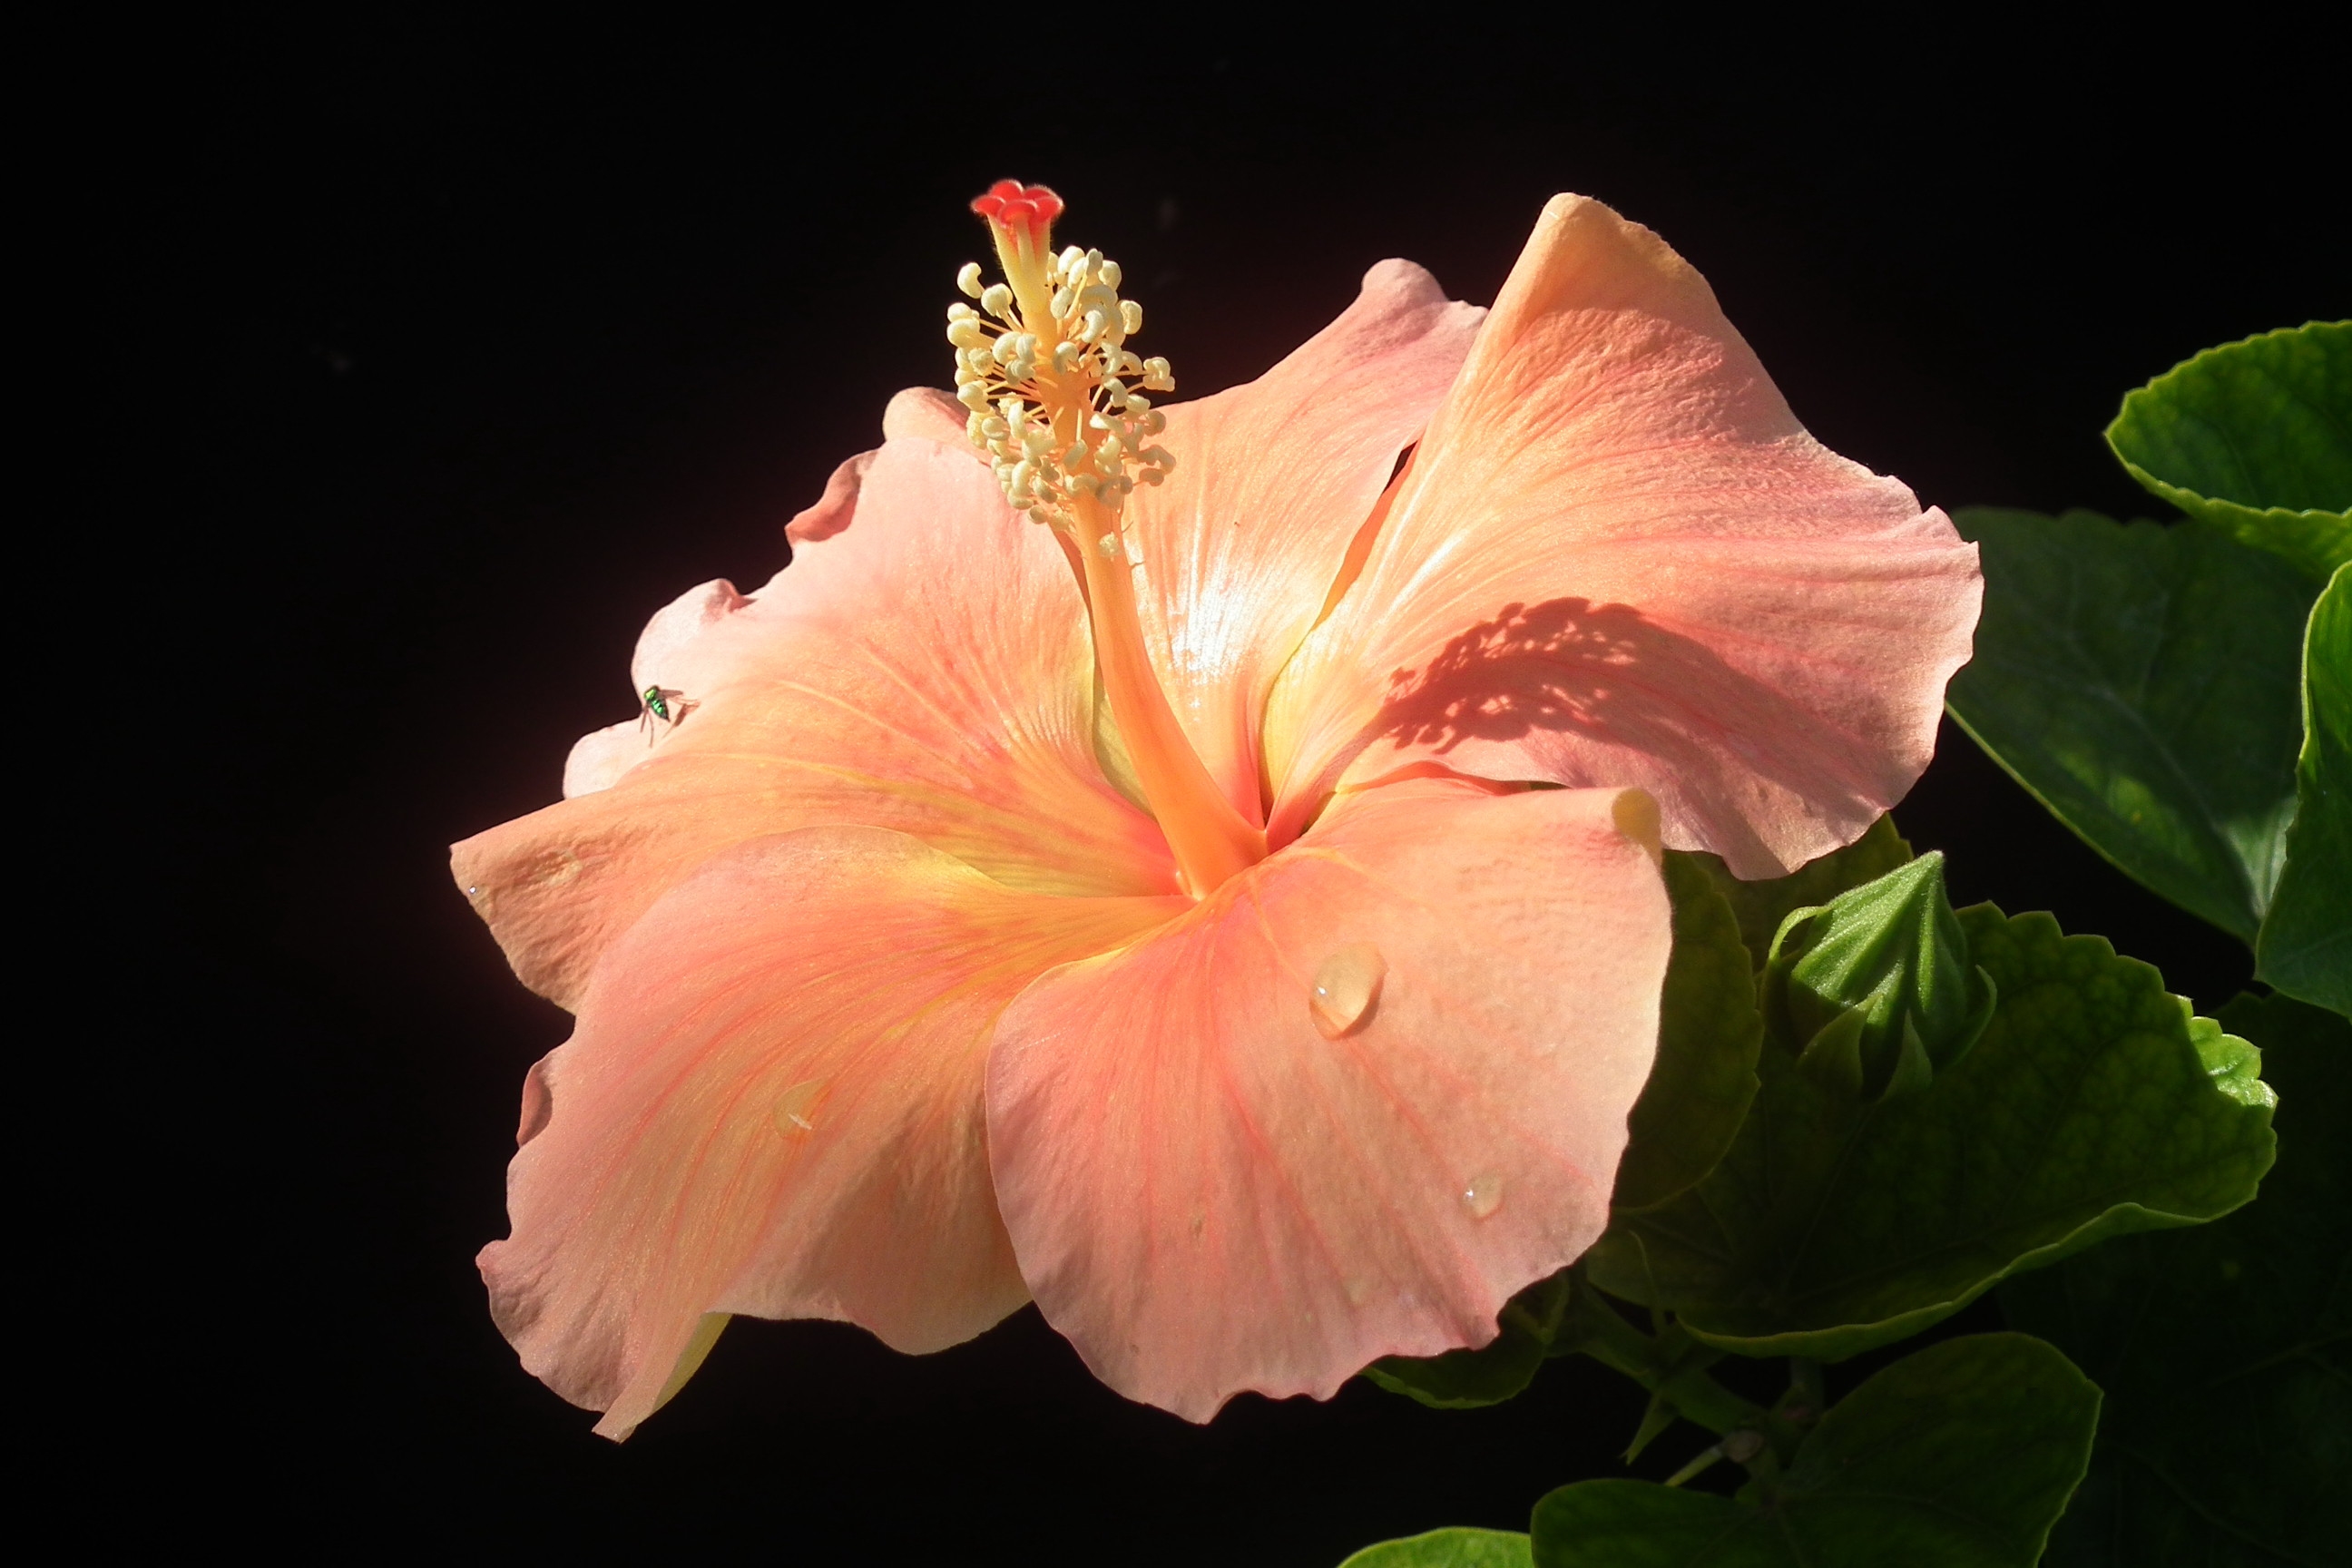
1760	907
1530	1323
2140	681
1457	1548
2305	945
2094	1104
1708	1031
2255	437
1958	1456
2226	1350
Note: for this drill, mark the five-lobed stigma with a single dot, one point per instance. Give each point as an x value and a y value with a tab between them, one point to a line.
1057	398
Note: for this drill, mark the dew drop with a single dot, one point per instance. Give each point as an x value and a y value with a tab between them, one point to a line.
1346	988
1484	1196
792	1109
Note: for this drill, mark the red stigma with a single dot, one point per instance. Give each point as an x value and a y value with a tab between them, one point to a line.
1012	204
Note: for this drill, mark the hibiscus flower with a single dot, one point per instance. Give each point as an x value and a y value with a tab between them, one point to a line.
1102	869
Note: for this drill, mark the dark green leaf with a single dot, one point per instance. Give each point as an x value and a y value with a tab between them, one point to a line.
2255	437
2305	946
1708	1031
1447	1548
1530	1323
1958	1456
1760	907
2092	1105
2139	680
2225	1349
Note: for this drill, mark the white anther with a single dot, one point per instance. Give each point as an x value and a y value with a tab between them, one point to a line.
1063	300
968	280
975	396
959	312
1071	258
1066	357
1095	323
1130	315
1007	348
1157	456
1109	547
966	334
1114	389
994	428
1153	422
1156	376
1111	448
1075	456
1137	405
1037	439
997	301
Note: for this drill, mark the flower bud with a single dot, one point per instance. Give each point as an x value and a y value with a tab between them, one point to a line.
1875	990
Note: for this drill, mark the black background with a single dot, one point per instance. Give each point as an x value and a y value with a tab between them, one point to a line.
425	363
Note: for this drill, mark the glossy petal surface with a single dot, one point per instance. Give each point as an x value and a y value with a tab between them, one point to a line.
772	1105
1272	483
1618	558
927	669
1208	1193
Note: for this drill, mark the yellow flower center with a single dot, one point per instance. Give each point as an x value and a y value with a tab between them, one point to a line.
1057	402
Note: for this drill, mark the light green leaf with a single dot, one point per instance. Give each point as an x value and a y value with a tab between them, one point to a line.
2256	437
1458	1548
1760	907
2094	1104
1708	1031
1959	1457
2139	680
2225	1350
2305	945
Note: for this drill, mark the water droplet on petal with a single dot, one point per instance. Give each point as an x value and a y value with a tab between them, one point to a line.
792	1109
1484	1196
1346	988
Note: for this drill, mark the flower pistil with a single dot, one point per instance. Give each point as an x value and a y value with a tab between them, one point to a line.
1057	402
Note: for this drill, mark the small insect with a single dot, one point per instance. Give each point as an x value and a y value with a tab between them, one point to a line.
665	703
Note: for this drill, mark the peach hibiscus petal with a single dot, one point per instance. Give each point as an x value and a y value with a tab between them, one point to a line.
926	669
665	658
772	1105
1618	559
1209	1192
1272	481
